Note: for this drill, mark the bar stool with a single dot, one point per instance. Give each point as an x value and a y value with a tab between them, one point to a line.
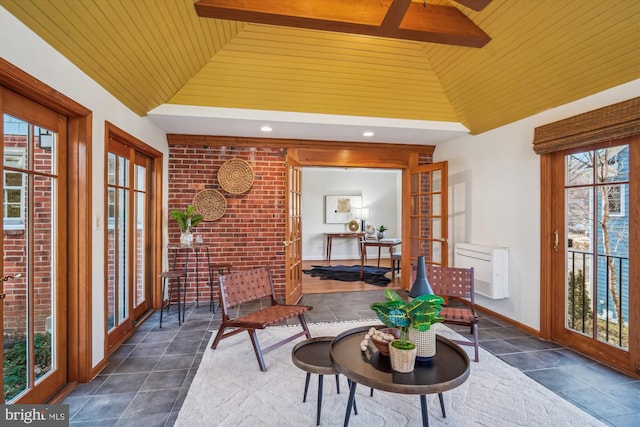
219	268
181	278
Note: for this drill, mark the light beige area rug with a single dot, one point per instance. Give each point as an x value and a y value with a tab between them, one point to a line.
230	390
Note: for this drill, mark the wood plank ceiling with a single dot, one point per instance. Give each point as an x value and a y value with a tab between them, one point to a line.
542	54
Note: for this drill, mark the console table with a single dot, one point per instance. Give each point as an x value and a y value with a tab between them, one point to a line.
348	235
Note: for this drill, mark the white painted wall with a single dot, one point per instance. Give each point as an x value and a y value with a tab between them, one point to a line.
24	49
381	192
494	197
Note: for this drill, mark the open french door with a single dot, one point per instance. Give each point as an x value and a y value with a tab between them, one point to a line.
425	214
293	242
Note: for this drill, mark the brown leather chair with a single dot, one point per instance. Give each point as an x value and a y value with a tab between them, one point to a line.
253	285
218	268
455	285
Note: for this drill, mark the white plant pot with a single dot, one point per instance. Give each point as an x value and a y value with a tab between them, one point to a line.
186	239
425	343
402	361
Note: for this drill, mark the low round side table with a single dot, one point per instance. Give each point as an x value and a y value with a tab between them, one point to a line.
314	357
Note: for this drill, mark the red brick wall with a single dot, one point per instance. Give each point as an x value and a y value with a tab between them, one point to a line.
251	232
16	247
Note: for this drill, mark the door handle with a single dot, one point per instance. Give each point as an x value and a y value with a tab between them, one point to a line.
286	243
555	240
5	278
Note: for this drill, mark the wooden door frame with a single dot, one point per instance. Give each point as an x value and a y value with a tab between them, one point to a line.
155	217
618	358
608	123
36	115
150	191
79	172
385	156
546	247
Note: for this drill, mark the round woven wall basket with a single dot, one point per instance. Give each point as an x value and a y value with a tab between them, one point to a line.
235	176
211	204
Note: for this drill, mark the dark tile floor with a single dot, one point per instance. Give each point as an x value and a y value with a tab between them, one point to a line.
147	378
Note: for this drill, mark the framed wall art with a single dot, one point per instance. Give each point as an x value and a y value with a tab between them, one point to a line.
341	209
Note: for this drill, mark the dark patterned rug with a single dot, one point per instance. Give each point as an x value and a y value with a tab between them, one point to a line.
371	275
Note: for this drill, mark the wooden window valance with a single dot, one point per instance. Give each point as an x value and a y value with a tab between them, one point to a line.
604	124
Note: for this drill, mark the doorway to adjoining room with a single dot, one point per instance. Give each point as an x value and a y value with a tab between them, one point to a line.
348	203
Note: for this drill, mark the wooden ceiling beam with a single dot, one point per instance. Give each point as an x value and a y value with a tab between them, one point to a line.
394	16
240	141
476	5
356	16
440	24
401	19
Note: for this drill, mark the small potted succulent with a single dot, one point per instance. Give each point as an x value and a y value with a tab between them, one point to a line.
419	313
186	219
382	232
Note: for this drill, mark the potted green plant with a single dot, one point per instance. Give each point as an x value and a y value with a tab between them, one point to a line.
419	313
382	232
186	219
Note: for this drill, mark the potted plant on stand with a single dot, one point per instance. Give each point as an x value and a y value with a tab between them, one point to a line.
419	313
382	232
186	220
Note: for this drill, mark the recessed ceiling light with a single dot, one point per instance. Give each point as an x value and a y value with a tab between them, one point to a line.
266	129
367	133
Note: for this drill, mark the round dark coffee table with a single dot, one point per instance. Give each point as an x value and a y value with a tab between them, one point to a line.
446	370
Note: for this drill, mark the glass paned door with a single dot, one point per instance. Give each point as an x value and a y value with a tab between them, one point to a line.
127	265
595	246
428	213
117	241
293	244
597	251
32	293
141	171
